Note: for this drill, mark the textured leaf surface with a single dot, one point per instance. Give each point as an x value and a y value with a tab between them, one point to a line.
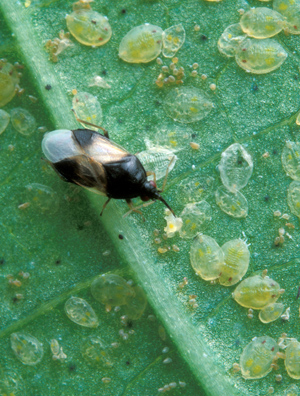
64	252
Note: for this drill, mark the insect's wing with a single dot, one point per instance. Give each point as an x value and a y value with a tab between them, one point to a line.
98	147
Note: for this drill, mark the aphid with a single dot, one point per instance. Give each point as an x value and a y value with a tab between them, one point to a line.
41	199
91	160
262	22
233	204
257	357
141	44
291	390
158	159
173	39
294	197
271	312
290	9
292	360
236	262
135	303
89	27
230	39
4	120
9	82
23	121
111	290
206	257
27	348
195	217
80	312
235	167
260	56
257	292
87	108
95	351
187	104
290	159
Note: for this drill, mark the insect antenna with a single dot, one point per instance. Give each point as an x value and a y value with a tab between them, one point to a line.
90	124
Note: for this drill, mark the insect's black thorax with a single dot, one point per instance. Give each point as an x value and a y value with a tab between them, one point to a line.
125	178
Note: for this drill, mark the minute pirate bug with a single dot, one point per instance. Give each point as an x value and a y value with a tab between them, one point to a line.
89	159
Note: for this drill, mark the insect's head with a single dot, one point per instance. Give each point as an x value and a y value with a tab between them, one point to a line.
150	192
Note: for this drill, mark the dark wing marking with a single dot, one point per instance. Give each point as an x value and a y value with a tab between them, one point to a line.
83	171
98	147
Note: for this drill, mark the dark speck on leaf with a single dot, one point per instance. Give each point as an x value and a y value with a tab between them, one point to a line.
254	87
275	152
80	227
203	37
2	261
15	299
267	198
123	11
72	367
157	103
128	363
57	262
193	135
121	236
104	72
120	121
48	87
130	324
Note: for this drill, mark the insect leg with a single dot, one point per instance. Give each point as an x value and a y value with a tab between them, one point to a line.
90	124
167	172
149	173
104	206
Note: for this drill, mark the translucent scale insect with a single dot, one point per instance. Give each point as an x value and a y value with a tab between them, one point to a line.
257	357
262	22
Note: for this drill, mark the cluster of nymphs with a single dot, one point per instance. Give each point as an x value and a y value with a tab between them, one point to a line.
250	42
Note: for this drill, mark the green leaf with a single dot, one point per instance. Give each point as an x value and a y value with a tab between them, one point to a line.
65	251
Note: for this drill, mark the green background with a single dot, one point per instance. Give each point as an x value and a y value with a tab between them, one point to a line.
63	252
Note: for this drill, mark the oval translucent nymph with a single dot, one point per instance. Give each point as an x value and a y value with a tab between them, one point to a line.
290	9
42	199
236	262
95	351
206	257
9	80
233	204
158	160
4	120
23	121
260	56
80	312
290	159
230	39
257	357
141	44
294	197
173	39
291	390
195	218
292	359
11	384
89	27
87	108
235	167
111	290
28	349
136	303
187	104
256	292
174	137
271	312
262	22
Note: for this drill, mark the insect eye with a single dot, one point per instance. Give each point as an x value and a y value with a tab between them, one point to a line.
152	182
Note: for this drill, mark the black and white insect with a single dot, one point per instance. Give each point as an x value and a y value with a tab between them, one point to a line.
89	159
